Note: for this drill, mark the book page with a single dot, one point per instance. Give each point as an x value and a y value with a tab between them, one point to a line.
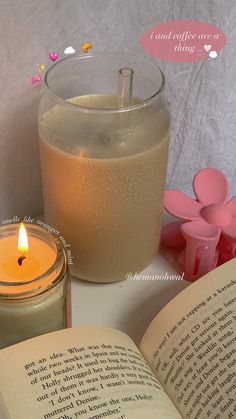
86	372
191	346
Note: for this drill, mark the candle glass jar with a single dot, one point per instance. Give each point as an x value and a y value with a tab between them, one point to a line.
40	304
103	160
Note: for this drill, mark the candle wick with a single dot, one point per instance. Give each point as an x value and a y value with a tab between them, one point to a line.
20	260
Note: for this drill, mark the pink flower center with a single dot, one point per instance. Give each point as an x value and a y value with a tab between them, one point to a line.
216	214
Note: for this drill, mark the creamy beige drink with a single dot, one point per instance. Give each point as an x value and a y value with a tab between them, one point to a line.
103	183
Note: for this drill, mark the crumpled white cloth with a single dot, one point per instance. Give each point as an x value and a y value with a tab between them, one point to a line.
202	95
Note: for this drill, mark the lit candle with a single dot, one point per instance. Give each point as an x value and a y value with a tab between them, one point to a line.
34	283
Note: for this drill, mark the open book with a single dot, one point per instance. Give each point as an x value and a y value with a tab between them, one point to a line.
185	367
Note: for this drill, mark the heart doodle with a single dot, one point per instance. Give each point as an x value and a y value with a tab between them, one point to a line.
53	56
207	48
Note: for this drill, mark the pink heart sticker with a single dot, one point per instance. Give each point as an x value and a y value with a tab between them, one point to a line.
53	56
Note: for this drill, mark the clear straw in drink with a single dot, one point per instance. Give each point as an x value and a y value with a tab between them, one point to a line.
125	87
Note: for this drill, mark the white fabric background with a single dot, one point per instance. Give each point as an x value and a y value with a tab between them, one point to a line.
202	95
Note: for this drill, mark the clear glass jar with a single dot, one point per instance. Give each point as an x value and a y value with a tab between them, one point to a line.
34	294
103	165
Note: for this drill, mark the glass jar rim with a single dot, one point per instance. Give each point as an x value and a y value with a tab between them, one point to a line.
59	265
140	105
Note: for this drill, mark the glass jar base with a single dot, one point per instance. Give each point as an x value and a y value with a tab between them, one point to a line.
129	274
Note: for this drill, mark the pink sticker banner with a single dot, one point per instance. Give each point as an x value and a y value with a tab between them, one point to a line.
183	41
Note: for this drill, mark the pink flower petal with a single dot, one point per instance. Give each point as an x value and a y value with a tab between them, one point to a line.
211	186
229	231
200	230
171	235
231	206
181	205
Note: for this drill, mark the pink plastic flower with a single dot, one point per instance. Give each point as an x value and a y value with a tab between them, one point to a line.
206	217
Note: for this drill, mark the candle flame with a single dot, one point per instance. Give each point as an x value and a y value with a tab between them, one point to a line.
23	245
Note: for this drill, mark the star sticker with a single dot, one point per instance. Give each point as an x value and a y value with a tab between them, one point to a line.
41	67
